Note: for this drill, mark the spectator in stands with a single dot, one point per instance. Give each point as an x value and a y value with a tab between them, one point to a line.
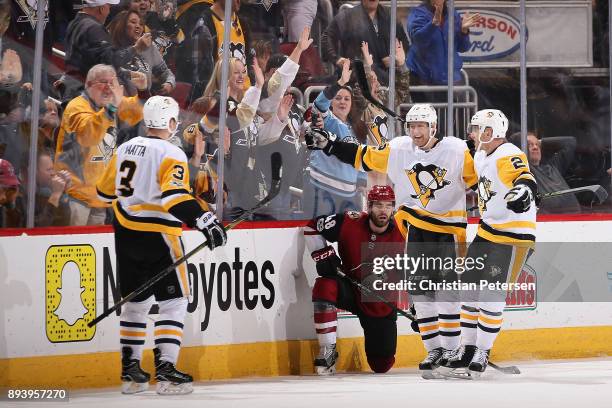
243	182
141	7
9	187
88	137
332	186
369	22
48	126
164	29
550	168
373	117
203	28
51	205
263	51
298	14
428	31
289	145
125	30
89	43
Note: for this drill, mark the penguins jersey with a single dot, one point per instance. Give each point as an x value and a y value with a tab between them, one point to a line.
148	183
497	173
430	185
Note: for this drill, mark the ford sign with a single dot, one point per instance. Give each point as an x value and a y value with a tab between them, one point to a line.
494	36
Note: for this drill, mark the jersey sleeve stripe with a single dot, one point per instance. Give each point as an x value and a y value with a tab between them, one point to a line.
502	236
168	193
364	166
177	200
105	197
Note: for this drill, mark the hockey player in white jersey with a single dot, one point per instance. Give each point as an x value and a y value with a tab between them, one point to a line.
430	175
147	182
507	193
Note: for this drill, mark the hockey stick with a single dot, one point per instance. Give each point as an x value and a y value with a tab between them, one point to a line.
362	80
277	164
370	292
505	370
598	191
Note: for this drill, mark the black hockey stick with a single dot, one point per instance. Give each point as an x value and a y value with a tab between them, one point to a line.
362	80
277	167
598	191
505	370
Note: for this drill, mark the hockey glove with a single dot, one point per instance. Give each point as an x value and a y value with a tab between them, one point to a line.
320	139
326	261
519	198
212	229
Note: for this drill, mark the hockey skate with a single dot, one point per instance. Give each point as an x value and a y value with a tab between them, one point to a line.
428	365
170	381
457	364
133	378
325	363
479	363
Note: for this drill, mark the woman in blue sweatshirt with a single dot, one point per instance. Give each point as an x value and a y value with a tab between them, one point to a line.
332	186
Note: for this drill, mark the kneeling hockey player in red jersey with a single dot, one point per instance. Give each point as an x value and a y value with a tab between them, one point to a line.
361	237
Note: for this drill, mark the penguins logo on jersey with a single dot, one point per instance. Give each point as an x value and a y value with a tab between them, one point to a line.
107	145
29	7
484	193
378	129
426	180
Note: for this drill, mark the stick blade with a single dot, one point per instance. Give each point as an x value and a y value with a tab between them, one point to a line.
600	193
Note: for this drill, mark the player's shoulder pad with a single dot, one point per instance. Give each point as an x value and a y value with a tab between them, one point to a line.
454	143
400	142
508	149
173	152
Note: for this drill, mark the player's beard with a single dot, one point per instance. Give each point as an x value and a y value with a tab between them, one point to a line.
376	220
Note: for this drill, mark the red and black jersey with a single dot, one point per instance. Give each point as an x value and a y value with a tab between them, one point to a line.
358	246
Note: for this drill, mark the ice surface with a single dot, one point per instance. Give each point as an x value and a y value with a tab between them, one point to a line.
583	383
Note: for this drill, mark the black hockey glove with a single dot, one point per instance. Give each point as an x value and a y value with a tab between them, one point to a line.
519	198
326	261
212	229
320	139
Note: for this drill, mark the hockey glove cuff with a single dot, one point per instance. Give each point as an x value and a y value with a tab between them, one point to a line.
326	261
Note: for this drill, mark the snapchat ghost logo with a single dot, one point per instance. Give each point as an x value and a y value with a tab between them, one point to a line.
70	273
71	306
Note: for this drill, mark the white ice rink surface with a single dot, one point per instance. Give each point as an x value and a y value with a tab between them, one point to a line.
556	384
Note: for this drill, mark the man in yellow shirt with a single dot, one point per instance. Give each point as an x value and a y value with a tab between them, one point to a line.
88	137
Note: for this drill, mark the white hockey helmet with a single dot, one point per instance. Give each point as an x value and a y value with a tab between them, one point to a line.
158	111
490	118
423	112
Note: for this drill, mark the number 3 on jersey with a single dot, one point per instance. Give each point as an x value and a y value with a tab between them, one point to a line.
127	170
